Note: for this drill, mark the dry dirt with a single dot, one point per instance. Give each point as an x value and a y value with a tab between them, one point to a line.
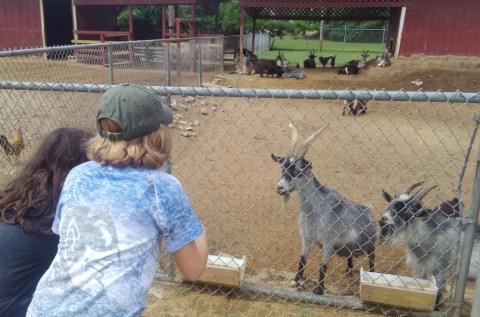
445	73
229	175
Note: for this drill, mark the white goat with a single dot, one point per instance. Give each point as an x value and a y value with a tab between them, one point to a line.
338	225
430	237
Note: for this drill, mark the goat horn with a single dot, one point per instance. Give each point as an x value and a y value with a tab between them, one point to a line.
306	145
423	192
408	189
294	139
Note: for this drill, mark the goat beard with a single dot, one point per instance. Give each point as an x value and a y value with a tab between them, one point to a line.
286	198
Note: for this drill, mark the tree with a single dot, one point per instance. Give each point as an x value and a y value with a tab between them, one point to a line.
146	21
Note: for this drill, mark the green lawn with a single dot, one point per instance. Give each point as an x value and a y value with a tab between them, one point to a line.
298	49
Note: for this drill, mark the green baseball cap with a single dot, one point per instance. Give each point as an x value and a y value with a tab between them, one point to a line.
137	109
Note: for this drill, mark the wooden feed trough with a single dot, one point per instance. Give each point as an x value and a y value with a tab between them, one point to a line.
398	291
222	270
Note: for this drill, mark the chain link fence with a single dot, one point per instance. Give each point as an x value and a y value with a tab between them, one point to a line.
223	141
188	62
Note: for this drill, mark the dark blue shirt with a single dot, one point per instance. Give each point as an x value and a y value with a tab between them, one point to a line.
23	260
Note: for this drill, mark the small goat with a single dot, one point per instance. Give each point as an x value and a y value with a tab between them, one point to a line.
350	68
329	60
354	107
308	63
268	67
338	225
248	65
280	60
297	73
384	60
430	237
363	62
246	53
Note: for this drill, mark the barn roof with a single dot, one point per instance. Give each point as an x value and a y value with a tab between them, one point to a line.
321	9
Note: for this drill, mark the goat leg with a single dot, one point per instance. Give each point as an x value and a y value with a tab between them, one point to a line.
320	288
437	300
371	261
349	270
297	281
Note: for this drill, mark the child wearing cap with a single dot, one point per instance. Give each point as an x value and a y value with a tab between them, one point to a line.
115	210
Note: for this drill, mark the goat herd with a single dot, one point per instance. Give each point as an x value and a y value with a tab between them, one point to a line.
279	66
342	227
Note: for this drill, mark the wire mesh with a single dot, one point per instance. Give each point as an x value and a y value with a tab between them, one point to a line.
223	141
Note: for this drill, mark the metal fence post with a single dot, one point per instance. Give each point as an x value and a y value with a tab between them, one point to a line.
468	241
110	65
169	76
171	268
199	63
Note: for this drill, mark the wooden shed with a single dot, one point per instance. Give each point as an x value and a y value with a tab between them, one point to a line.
95	20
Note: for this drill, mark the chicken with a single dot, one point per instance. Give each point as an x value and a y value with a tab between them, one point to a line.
15	147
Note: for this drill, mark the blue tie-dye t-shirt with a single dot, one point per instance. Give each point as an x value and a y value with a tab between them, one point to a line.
111	221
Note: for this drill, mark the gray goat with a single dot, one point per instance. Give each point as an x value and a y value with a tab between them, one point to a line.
338	225
297	73
430	237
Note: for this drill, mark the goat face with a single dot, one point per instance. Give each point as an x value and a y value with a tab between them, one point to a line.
292	169
401	210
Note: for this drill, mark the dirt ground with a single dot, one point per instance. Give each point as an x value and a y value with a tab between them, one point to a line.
445	73
230	178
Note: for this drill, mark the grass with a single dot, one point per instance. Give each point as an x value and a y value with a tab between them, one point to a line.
297	49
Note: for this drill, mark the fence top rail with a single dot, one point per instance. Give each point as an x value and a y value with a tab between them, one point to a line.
329	94
42	50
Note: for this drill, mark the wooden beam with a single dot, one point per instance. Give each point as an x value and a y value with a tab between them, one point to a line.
130	22
242	30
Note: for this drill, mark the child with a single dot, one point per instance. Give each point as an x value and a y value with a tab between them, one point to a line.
27	207
115	210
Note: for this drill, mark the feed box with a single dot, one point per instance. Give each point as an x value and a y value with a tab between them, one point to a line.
399	291
222	270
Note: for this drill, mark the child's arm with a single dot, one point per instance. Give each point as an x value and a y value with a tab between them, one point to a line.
192	258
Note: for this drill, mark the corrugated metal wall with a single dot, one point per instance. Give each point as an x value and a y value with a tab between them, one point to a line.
20	24
442	27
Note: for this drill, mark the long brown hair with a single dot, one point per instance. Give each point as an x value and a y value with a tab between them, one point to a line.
149	151
30	199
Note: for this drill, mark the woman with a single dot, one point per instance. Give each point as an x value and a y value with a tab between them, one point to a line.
114	212
27	208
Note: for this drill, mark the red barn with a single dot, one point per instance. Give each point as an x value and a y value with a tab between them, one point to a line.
430	27
440	27
35	23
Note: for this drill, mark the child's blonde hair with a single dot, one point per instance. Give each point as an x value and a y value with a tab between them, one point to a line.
149	151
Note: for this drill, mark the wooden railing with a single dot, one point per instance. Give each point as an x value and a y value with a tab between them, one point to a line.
103	36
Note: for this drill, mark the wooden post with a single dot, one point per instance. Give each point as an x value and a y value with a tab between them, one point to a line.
253	34
171	15
192	30
321	35
164	22
130	22
242	30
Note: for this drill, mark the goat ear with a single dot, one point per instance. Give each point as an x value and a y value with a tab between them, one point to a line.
276	158
387	196
306	164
